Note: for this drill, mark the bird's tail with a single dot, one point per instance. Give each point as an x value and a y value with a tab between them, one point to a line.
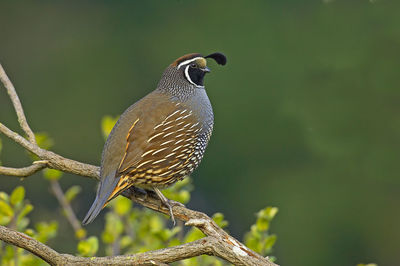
105	192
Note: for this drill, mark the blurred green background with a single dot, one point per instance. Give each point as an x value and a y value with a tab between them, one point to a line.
307	110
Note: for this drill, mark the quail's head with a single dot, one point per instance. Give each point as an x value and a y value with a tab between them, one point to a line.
190	69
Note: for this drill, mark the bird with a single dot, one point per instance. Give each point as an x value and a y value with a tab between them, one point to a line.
161	138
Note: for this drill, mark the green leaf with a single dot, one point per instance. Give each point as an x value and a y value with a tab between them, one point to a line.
88	247
9	252
262	224
107	237
267	213
219	220
80	233
5	220
167	234
52	174
6	209
270	241
193	235
125	241
22	224
107	123
113	228
25	210
122	205
4	196
271	212
17	196
45	231
72	192
184	196
156	224
30	232
174	242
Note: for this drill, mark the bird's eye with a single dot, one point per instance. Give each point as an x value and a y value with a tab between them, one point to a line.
193	65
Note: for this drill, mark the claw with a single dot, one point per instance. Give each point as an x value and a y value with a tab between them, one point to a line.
169	203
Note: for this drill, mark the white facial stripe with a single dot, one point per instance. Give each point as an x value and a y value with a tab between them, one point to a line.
188	77
188	61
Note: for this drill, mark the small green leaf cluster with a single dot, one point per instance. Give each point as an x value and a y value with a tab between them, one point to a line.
259	239
88	247
14	209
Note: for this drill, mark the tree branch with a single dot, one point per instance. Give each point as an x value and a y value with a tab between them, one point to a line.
55	161
217	242
68	212
24	171
17	105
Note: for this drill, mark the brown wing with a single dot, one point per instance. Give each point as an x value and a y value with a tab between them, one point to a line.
159	148
167	151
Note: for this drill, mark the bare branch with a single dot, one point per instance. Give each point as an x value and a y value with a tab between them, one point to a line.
24	171
55	161
18	139
26	242
17	105
217	242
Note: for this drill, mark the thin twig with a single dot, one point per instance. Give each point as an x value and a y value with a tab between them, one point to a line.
17	105
116	247
68	211
22	172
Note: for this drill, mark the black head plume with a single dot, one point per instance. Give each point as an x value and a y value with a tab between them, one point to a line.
218	57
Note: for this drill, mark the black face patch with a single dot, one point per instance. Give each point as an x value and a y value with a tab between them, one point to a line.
196	75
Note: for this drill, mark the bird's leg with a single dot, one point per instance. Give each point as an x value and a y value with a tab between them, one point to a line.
167	202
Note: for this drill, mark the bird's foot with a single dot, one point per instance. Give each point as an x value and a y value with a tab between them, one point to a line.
168	203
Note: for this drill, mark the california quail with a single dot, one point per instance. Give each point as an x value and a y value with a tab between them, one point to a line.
161	138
